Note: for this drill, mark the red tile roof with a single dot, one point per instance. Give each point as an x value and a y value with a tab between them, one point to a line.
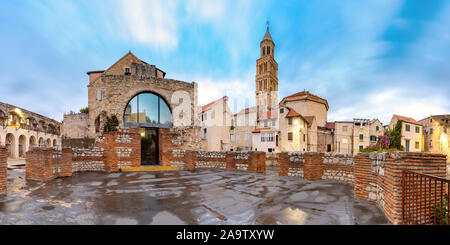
330	125
292	113
304	95
408	120
258	130
310	119
208	106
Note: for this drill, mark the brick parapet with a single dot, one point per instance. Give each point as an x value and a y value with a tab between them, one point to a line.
378	177
3	169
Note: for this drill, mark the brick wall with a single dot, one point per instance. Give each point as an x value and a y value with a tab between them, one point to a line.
112	151
3	169
378	177
315	166
44	164
241	161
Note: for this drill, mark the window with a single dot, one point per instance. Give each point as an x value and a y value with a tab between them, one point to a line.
361	137
265	123
290	121
238	137
99	94
127	71
147	110
431	130
361	147
246	137
407	127
205	133
377	128
267	137
304	138
289	136
247	122
281	110
373	138
417	129
417	145
231	137
268	50
274	123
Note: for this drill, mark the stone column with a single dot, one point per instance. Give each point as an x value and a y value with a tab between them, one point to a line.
283	163
313	169
3	169
190	159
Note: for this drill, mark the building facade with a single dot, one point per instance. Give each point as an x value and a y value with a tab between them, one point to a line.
139	95
436	131
216	120
243	123
412	137
352	136
21	129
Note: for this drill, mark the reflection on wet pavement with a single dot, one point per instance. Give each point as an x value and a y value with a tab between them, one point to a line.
202	196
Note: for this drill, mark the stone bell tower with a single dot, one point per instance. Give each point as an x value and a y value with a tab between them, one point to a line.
266	76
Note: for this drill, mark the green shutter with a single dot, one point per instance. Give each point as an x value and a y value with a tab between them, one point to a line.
378	128
361	137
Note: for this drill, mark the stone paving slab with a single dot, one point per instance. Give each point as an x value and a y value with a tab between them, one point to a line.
201	196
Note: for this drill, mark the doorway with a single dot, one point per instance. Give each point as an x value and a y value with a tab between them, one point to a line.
149	146
407	145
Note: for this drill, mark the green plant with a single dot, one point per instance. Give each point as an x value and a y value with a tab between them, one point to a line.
441	212
111	124
396	135
84	110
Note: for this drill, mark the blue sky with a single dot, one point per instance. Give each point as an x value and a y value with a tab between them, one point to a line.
369	59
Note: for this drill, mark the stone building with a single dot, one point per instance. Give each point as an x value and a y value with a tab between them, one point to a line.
215	120
411	133
436	131
352	136
21	129
140	96
75	125
244	122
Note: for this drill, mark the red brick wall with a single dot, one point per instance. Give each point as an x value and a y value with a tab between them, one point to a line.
378	178
313	168
256	162
166	146
3	169
121	149
43	165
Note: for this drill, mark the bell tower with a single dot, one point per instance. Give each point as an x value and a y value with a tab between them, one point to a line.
266	76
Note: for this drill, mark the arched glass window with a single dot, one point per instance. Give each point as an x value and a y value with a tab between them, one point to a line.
148	110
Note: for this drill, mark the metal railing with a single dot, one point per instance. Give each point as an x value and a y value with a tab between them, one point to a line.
425	199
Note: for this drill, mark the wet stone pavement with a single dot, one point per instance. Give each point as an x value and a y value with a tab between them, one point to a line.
202	196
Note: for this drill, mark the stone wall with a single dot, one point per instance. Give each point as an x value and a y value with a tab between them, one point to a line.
180	138
3	169
110	153
241	161
378	177
316	166
75	126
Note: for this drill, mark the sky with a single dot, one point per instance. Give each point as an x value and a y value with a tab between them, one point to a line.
369	59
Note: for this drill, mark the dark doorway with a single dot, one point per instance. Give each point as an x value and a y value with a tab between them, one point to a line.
149	146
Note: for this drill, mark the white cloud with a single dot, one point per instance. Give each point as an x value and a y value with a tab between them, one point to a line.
205	9
240	92
153	22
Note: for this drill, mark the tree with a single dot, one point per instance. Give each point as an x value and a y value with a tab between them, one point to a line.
84	110
396	135
111	124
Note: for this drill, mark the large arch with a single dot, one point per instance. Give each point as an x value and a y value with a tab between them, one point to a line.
48	143
10	143
55	143
41	142
32	142
148	111
22	145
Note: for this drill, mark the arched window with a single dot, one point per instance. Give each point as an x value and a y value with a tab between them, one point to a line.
268	50
148	110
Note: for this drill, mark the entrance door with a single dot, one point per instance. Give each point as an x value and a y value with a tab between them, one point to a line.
407	145
149	146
